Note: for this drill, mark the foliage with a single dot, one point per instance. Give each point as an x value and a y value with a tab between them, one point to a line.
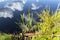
49	26
27	23
5	37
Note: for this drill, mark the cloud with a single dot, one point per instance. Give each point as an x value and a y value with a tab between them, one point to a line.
34	7
15	6
2	0
6	14
37	0
24	1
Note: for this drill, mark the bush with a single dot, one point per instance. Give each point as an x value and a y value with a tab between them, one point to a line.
27	23
49	26
5	37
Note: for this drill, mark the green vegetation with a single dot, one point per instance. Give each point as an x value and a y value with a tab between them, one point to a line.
27	23
5	37
49	26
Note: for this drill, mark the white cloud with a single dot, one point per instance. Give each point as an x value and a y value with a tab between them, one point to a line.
24	1
6	14
15	6
37	0
35	7
2	0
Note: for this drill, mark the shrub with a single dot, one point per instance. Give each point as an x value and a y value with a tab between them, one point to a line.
5	37
49	26
27	23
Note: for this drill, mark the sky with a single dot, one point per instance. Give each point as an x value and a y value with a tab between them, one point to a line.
20	4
